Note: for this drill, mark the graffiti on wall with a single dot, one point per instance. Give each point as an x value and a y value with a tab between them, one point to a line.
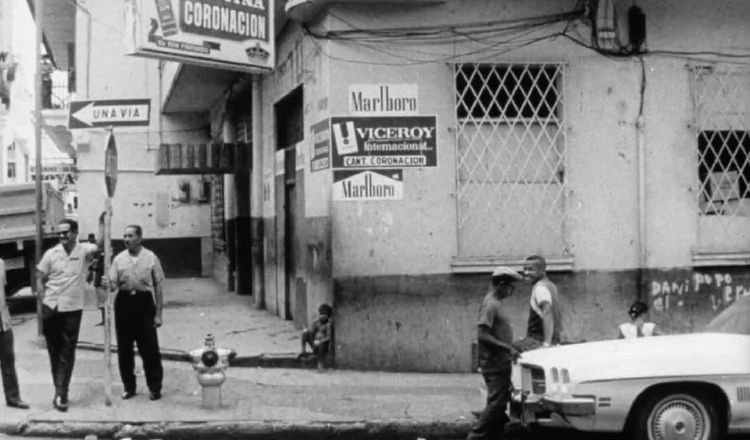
712	290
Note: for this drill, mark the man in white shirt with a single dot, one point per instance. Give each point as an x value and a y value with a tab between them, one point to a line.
545	318
61	278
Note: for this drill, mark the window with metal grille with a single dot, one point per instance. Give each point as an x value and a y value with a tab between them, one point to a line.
510	136
724	172
721	104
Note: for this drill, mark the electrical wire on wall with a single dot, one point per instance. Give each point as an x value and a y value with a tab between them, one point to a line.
411	45
493	38
605	37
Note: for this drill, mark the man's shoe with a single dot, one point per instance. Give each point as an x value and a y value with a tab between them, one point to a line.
59	404
128	395
154	395
18	403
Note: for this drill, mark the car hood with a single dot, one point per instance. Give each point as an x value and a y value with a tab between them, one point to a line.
733	319
659	356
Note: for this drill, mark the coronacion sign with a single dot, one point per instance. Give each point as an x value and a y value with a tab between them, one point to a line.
225	34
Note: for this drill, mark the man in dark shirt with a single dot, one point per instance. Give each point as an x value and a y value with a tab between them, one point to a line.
496	354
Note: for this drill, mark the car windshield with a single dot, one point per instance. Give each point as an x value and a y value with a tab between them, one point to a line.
733	319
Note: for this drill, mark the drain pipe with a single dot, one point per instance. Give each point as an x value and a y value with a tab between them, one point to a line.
642	231
256	194
642	226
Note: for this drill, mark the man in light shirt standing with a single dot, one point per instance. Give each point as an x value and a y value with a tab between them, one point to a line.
137	275
545	325
61	275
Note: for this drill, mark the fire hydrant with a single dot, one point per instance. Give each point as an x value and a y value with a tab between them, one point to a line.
211	363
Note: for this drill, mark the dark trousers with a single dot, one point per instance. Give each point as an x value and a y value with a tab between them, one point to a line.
134	322
493	419
61	335
8	366
309	338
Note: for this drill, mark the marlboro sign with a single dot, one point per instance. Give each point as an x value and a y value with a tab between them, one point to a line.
224	34
363	185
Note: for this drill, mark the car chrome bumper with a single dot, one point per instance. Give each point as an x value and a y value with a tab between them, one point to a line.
534	408
570	406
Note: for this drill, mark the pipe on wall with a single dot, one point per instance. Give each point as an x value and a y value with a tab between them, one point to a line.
641	147
642	244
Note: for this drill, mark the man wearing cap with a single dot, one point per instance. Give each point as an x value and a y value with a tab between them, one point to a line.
545	318
496	354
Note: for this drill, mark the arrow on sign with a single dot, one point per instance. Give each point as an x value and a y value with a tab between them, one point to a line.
123	112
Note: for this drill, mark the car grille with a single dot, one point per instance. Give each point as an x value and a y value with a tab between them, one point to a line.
533	380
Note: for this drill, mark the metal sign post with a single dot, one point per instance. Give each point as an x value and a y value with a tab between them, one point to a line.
110	180
39	285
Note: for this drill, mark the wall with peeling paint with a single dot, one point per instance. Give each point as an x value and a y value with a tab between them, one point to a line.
388	266
399	307
300	63
685	300
428	322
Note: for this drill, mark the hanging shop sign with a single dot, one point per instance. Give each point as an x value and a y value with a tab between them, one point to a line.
320	154
279	161
362	185
383	99
215	158
384	142
299	156
223	34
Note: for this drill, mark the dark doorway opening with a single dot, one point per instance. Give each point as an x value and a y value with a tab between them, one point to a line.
289	131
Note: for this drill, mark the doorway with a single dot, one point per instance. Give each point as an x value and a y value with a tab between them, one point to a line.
289	132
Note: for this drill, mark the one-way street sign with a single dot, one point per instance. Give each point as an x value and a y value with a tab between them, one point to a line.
106	113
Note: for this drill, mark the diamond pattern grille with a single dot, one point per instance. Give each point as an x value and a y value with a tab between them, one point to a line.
510	159
721	101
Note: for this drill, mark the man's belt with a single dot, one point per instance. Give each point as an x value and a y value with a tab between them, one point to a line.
133	292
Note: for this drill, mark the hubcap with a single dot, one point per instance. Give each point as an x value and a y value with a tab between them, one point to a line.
678	418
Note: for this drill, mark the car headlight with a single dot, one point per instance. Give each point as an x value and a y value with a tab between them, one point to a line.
565	378
560	378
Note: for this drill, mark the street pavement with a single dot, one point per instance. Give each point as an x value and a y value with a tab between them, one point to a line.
257	402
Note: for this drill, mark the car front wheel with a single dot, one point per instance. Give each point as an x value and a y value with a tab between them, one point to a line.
676	416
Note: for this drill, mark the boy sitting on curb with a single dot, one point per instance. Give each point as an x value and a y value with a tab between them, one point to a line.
319	336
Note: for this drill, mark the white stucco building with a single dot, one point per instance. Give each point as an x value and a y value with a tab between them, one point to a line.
402	151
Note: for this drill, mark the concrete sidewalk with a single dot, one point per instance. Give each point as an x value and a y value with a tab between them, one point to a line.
257	402
194	307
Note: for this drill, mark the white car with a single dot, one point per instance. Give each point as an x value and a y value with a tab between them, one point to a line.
679	387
